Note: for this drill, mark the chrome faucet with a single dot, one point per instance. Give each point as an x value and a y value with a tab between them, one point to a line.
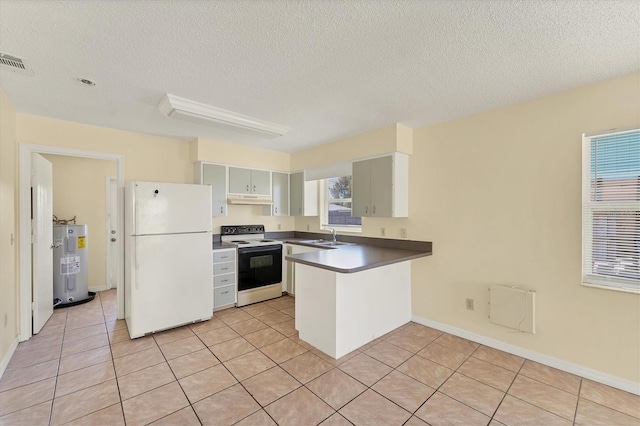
333	233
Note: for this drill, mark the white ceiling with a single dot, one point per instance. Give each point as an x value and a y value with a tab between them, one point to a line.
328	69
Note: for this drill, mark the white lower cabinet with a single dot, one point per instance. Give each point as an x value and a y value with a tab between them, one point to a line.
289	273
224	278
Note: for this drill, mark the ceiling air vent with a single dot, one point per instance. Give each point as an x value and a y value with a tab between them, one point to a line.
15	64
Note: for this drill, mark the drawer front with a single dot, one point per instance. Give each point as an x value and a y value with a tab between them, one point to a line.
224	296
224	268
222	280
224	256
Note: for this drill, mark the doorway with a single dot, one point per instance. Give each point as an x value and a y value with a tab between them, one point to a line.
25	294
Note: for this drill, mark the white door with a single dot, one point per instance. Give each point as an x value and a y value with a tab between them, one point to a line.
113	238
42	230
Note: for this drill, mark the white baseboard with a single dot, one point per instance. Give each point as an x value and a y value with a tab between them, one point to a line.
569	367
8	355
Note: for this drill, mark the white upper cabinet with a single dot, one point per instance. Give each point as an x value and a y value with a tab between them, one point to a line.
381	186
214	175
280	193
304	195
248	181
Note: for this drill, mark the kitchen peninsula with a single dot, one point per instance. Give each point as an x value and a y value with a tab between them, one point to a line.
349	295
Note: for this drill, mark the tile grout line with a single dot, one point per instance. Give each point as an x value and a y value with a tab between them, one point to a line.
575	412
507	392
177	380
53	396
115	378
443	382
302	385
272	360
240	382
276	365
113	361
220	363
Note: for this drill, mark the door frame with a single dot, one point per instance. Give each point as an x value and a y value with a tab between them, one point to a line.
111	262
24	195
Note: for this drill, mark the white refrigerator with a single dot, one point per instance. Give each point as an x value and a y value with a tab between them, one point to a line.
169	257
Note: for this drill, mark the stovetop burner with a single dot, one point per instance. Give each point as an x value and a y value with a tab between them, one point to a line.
246	236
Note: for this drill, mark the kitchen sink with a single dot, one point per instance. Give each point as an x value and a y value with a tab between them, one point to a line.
332	243
325	243
314	241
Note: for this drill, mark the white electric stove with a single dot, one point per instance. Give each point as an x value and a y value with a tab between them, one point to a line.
259	263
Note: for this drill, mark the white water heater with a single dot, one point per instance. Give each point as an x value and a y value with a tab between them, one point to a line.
70	264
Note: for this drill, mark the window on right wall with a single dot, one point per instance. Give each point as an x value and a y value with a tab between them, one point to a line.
611	210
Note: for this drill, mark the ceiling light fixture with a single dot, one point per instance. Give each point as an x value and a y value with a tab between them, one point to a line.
86	82
185	109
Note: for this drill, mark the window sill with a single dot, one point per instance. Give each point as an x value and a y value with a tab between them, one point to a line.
352	229
613	288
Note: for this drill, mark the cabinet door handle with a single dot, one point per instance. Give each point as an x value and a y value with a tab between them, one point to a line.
366	209
276	210
221	209
300	210
225	292
247	188
374	209
254	188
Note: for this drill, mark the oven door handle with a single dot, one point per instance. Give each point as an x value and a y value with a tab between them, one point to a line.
259	249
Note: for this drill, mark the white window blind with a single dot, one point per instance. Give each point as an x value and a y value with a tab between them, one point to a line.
611	210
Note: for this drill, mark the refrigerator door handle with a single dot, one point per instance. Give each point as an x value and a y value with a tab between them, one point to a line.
137	280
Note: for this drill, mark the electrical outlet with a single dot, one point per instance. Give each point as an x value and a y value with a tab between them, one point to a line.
403	233
279	226
470	304
383	231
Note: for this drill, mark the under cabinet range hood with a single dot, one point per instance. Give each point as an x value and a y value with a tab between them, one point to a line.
250	199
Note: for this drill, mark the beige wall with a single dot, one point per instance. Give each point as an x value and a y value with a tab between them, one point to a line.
8	228
380	141
499	194
239	155
154	158
244	156
79	189
150	158
387	139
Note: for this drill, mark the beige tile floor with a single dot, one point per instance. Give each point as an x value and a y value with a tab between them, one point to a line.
246	366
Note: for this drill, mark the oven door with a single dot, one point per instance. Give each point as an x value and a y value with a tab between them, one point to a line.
259	266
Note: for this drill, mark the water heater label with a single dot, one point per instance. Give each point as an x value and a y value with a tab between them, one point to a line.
82	242
69	265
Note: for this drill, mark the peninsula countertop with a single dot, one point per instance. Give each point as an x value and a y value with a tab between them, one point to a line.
356	257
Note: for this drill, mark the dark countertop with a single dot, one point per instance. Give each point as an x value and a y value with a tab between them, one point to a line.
356	257
218	245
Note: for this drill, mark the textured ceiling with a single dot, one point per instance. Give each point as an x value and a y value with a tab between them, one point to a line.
328	69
